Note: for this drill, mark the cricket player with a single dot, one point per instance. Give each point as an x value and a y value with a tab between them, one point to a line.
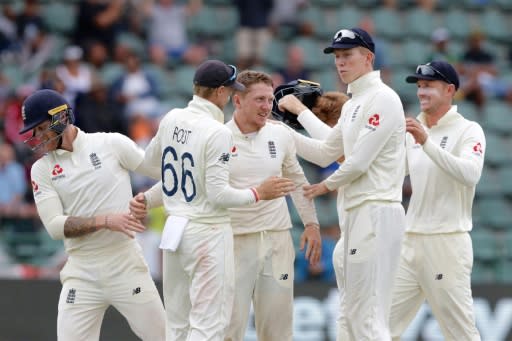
371	136
82	190
445	157
318	123
193	148
263	245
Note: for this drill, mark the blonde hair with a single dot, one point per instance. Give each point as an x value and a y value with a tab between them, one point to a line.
249	77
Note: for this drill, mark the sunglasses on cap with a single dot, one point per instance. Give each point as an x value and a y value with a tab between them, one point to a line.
233	76
352	35
428	70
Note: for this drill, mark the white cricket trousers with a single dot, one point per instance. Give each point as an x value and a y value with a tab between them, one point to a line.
436	267
338	264
373	237
264	276
198	283
117	277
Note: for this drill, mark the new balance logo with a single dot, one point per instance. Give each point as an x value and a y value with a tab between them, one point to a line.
136	291
353	251
224	158
439	277
283	277
71	296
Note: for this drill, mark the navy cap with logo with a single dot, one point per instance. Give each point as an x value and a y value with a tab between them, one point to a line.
435	71
214	74
349	38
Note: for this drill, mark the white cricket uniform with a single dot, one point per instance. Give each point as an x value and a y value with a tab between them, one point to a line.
193	148
264	251
105	267
319	130
444	173
371	135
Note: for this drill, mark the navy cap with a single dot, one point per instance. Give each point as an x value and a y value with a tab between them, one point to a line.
349	38
437	70
214	74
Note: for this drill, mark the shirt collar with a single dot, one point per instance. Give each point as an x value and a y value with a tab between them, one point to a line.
203	106
78	143
450	116
235	129
364	82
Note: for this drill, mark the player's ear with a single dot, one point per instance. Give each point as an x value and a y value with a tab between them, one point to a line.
236	99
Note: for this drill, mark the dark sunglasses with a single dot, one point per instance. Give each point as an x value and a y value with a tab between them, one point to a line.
233	76
428	70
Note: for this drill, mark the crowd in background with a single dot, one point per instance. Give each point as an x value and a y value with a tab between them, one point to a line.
122	64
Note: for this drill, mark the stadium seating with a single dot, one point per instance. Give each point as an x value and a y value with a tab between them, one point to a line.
420	24
406	31
59	17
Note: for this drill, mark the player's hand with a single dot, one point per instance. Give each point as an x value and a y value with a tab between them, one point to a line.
312	191
415	128
291	104
138	206
311	237
124	223
275	187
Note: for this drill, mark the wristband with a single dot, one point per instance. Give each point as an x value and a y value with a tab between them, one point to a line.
255	192
314	225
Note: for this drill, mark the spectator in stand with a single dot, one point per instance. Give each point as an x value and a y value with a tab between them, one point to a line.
96	55
167	30
13	183
98	20
29	19
136	92
12	120
7	29
37	49
294	67
284	18
480	78
440	39
253	34
97	112
76	75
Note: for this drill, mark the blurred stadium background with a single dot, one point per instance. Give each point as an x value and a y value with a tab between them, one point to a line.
38	41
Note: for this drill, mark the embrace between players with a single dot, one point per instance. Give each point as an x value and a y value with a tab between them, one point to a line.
227	241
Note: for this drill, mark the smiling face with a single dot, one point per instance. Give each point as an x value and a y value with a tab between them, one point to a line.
352	63
434	96
253	107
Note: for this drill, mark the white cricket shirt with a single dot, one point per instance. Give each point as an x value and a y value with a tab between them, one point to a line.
444	173
92	180
254	158
371	135
193	149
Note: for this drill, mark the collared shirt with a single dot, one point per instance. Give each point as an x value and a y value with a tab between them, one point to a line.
193	148
371	135
444	173
255	157
91	180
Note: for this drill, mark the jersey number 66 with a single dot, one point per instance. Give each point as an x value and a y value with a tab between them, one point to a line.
186	174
